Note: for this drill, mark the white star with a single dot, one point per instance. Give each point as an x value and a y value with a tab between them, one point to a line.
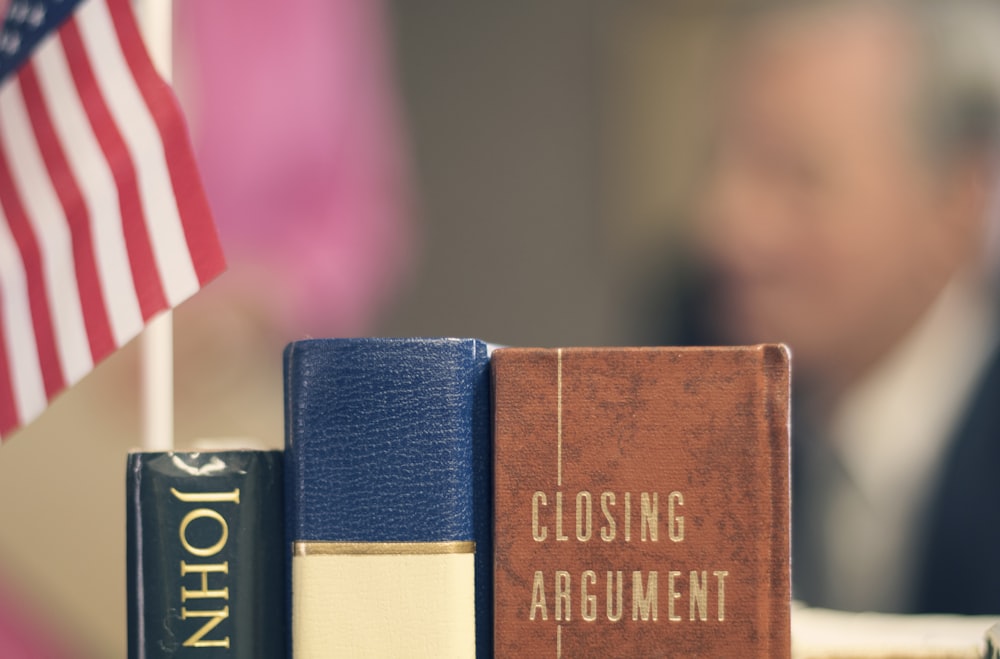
37	15
10	42
18	11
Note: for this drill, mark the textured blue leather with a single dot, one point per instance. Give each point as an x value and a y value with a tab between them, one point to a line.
388	440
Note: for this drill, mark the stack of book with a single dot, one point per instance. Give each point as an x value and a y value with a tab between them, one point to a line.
441	499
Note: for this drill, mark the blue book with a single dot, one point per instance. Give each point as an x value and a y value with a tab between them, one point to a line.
388	494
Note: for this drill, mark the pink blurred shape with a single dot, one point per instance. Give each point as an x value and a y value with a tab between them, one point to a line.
22	635
295	125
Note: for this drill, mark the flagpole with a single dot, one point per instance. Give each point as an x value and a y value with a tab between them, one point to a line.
157	340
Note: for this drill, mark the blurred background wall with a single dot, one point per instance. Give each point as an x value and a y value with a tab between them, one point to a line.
550	148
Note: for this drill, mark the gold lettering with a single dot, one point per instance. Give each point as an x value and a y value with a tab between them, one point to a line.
675	499
207	497
210	514
720	576
538	533
698	596
538	597
588	603
562	596
649	516
608	532
672	596
644	606
204	569
560	536
628	517
614	616
214	618
583	530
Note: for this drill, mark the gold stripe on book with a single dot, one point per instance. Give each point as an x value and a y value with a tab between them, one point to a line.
317	548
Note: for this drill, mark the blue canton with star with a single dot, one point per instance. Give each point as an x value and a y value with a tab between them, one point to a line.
27	23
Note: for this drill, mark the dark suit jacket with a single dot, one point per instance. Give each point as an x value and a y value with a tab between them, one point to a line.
960	569
958	558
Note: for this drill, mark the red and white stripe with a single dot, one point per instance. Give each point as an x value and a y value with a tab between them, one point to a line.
103	220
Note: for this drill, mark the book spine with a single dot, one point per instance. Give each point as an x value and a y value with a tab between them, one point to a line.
205	558
389	497
641	502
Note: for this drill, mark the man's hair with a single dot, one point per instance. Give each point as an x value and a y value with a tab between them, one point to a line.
956	104
958	92
958	100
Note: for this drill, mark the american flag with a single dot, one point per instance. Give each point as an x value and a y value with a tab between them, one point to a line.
103	219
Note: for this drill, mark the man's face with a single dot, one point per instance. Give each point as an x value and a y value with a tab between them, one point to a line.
821	219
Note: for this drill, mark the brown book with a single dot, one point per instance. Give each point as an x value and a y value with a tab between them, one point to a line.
641	502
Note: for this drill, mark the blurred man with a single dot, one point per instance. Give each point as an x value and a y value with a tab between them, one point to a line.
848	214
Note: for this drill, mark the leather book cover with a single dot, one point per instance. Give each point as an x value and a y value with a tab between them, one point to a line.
204	555
641	502
389	497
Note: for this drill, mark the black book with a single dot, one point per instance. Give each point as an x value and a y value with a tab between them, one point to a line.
205	558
